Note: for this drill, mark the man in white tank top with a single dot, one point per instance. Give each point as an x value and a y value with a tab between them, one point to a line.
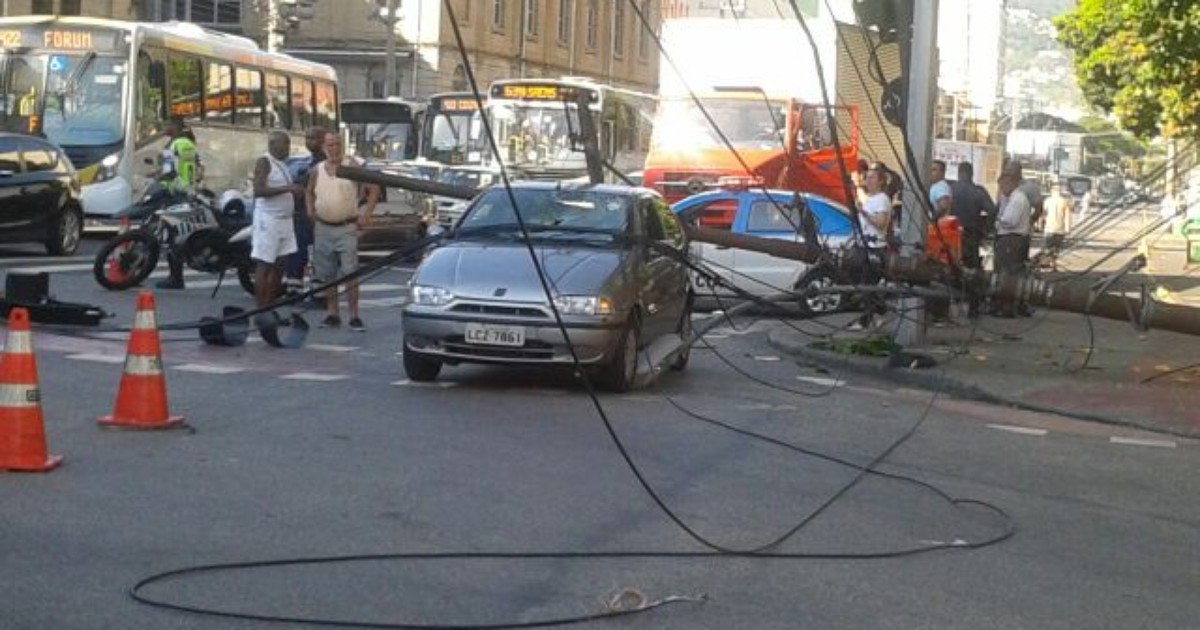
274	234
333	207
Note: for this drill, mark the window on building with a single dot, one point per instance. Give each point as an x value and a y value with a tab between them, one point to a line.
593	23
185	87
499	9
211	12
248	98
68	7
644	34
302	104
42	7
218	94
532	21
565	20
458	82
618	38
278	112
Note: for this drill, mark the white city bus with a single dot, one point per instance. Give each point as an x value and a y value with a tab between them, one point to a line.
102	90
384	130
534	120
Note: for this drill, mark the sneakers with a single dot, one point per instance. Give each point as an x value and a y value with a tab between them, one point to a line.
332	321
170	283
356	324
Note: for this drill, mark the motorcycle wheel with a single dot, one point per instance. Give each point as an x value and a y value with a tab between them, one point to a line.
126	260
245	274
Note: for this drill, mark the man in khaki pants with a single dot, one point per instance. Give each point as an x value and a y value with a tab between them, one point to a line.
333	208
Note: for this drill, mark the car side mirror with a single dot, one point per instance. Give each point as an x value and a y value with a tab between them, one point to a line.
435	230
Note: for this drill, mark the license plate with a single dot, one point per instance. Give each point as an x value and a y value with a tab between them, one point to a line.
491	335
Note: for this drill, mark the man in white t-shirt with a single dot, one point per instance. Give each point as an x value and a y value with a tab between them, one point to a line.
274	235
875	215
1012	232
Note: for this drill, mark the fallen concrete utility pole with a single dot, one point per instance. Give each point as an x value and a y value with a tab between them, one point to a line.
1080	296
369	176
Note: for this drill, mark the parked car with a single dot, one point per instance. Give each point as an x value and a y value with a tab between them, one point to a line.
448	211
39	195
614	257
771	214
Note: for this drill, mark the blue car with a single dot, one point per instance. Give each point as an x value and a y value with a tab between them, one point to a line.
758	213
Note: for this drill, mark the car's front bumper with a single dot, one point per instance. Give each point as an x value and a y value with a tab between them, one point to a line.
438	333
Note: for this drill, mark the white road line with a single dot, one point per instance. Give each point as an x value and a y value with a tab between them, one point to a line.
328	347
1139	442
1015	429
54	268
372	287
97	358
436	384
208	369
823	382
42	260
769	358
313	376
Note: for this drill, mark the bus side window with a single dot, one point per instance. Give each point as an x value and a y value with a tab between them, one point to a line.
326	105
278	112
151	92
302	104
218	100
248	98
185	88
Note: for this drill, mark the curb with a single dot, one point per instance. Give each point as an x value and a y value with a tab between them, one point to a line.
938	381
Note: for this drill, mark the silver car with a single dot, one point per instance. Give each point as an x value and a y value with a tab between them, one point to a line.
614	262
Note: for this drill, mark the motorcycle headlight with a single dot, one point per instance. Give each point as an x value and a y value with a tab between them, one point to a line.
430	296
107	168
583	305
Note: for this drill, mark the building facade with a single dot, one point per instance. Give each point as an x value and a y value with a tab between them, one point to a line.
605	40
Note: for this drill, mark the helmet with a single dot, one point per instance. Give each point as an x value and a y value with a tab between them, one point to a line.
233	205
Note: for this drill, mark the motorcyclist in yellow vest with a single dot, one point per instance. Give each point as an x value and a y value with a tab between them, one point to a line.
179	165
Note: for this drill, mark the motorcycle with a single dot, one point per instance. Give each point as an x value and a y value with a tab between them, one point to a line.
204	235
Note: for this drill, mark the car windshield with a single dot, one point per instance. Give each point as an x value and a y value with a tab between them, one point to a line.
747	123
549	213
83	96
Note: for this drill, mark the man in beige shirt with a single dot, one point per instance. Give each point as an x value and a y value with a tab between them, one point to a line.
1057	222
332	204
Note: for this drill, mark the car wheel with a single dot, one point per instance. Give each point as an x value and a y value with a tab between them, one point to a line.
64	238
619	374
419	367
818	303
685	335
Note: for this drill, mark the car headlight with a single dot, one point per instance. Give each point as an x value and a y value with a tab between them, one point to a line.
583	305
430	296
107	168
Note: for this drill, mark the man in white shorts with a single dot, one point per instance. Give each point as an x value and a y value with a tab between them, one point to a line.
274	235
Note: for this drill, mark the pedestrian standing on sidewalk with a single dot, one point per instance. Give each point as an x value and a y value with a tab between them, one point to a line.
876	217
1057	223
974	209
1012	232
333	206
940	194
274	234
300	167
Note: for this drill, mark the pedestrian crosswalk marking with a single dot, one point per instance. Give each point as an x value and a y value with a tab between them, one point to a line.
313	376
436	384
1019	430
203	368
1140	442
55	268
823	382
97	358
328	347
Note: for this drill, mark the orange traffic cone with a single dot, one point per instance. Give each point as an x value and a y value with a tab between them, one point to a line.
142	397
22	433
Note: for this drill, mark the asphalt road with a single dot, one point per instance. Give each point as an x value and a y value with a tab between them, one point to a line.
327	450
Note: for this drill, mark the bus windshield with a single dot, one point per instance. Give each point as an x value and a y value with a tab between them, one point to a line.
380	130
535	135
746	123
82	96
454	137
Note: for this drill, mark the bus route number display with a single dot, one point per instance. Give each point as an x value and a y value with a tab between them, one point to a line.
68	40
459	105
539	92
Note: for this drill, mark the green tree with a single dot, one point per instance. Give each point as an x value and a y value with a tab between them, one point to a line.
1140	60
1107	147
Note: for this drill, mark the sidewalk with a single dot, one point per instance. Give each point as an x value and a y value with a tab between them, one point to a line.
1035	363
